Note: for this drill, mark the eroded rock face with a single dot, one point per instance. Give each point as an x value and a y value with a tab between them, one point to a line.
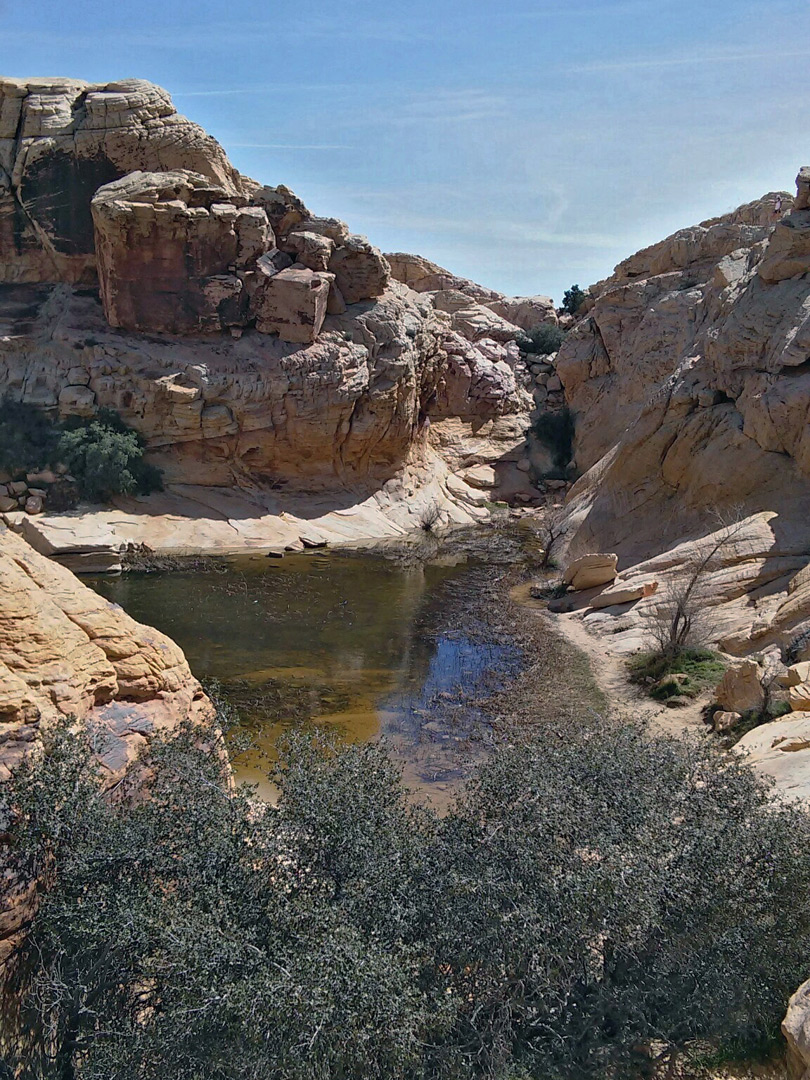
65	652
477	312
170	247
347	409
687	376
62	139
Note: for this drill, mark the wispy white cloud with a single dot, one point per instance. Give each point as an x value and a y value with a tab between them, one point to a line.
291	146
690	60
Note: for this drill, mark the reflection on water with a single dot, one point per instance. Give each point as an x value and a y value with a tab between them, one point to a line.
359	642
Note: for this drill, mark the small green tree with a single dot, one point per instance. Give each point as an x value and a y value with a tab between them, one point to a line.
106	458
573	299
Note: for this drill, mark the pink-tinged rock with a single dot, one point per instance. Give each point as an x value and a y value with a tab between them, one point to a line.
292	304
170	247
361	271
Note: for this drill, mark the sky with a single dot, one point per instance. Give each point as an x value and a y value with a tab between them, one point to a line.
526	144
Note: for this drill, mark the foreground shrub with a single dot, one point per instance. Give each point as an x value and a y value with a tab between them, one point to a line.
586	897
103	455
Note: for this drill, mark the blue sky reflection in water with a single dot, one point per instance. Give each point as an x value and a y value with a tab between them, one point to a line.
371	646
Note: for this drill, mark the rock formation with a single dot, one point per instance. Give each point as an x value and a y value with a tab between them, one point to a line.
65	652
254	344
60	140
687	378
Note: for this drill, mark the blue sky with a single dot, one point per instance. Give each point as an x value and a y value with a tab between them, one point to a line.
526	144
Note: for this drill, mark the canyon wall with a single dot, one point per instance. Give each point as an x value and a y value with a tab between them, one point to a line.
687	375
66	652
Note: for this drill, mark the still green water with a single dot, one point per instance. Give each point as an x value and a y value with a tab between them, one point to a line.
373	647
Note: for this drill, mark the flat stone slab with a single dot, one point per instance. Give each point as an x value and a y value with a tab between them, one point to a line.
188	519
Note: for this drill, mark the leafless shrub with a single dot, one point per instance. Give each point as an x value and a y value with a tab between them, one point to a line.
429	516
681	618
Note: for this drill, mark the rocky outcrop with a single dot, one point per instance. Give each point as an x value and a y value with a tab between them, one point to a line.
179	255
687	376
65	652
477	311
348	409
60	140
251	342
170	247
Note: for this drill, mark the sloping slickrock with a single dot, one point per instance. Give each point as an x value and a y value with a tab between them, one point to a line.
60	140
687	374
66	652
780	750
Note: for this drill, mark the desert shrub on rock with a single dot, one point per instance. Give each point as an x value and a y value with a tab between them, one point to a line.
587	898
542	340
106	458
573	299
103	456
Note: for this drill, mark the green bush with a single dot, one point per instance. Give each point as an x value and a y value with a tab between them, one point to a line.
103	455
542	340
106	458
573	299
601	891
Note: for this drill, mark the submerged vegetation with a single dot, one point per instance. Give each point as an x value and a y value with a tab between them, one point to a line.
589	903
101	455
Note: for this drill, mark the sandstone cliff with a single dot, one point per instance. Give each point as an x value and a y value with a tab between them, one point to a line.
256	346
687	377
66	652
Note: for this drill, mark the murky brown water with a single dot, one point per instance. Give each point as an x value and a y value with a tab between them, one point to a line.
375	647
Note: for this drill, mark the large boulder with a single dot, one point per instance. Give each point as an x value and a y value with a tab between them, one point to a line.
361	271
796	1029
741	690
589	571
170	247
292	304
62	139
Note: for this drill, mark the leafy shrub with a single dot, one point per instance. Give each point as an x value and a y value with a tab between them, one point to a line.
106	458
601	891
542	340
573	299
103	455
555	431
